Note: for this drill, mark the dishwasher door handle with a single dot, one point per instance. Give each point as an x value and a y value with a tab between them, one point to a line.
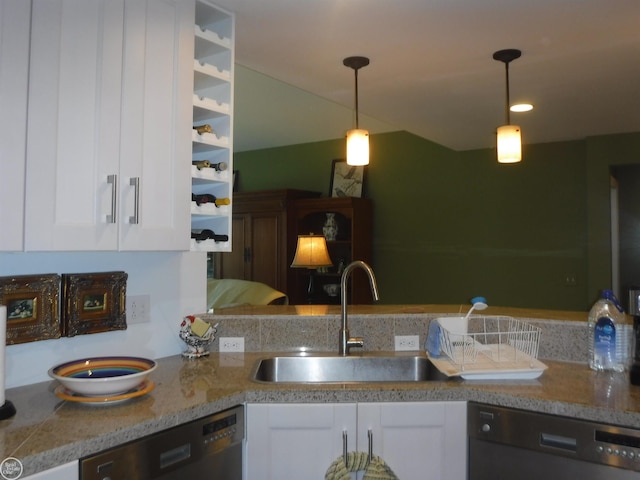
558	441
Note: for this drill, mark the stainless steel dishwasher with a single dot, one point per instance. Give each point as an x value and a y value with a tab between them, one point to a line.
515	444
206	449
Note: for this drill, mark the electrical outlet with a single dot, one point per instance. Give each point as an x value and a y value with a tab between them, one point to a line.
407	342
138	309
231	344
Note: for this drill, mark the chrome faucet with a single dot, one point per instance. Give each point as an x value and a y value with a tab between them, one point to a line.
347	342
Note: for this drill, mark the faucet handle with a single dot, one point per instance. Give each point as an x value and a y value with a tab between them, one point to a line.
355	342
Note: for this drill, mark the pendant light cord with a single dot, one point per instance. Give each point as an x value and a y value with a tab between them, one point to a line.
506	107
506	56
356	63
356	102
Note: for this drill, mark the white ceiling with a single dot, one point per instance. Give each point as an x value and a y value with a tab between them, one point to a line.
432	71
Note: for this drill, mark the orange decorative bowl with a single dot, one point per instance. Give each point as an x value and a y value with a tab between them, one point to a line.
103	375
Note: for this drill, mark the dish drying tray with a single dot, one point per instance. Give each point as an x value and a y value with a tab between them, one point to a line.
485	347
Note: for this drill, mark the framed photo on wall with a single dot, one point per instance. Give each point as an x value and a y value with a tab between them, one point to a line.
93	302
32	307
346	180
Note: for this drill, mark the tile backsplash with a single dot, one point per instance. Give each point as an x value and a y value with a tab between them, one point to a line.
560	340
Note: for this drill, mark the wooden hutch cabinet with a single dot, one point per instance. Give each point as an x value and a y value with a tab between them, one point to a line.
353	242
265	229
263	238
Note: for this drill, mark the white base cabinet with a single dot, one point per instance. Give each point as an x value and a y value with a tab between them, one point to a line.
295	441
68	471
421	440
426	440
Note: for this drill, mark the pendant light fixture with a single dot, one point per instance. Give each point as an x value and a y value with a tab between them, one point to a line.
357	139
509	136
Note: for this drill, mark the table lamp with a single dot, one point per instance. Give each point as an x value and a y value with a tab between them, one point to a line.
311	253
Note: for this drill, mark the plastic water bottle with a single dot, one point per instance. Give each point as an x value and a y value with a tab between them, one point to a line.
608	335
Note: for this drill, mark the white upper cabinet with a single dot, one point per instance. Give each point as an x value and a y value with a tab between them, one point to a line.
14	70
156	123
109	125
74	125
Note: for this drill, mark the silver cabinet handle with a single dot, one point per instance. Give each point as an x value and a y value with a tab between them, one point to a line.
113	180
344	446
370	438
135	182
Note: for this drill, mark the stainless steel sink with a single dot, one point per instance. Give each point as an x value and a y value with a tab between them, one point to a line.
338	369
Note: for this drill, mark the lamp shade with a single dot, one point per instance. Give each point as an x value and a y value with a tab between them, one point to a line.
509	144
357	147
311	252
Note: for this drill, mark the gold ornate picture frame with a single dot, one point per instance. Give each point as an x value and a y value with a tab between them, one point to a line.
93	302
32	307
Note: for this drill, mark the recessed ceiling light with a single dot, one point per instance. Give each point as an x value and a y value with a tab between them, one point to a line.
521	107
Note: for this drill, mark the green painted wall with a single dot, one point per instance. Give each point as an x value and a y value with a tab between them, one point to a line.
602	153
451	225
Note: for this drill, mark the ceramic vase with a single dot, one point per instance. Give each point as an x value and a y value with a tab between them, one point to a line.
330	228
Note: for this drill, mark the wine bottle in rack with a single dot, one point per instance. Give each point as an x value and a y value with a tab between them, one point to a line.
208	198
206	128
206	234
200	164
219	167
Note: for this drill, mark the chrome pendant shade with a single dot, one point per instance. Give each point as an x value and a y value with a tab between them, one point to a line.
357	139
509	136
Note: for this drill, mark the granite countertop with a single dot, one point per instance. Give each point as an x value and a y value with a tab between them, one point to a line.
47	431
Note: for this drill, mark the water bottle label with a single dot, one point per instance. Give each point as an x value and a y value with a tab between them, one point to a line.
604	338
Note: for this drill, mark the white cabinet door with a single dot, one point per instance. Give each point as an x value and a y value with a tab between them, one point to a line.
73	124
68	471
108	142
286	441
425	440
14	70
156	124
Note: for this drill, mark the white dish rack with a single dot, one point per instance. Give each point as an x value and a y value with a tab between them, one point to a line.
483	346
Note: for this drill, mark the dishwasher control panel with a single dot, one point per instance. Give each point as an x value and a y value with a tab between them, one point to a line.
613	443
223	431
555	435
